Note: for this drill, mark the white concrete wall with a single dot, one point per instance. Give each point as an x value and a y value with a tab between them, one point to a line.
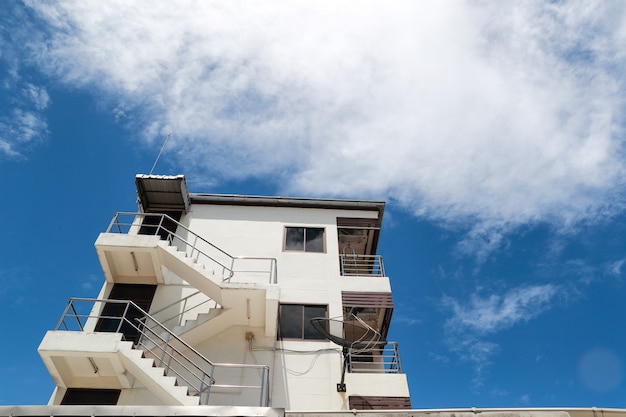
376	385
259	232
304	374
173	315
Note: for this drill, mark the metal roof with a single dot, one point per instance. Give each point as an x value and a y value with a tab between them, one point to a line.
162	192
304	202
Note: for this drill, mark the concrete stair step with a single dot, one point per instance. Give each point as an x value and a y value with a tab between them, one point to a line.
154	378
197	276
201	319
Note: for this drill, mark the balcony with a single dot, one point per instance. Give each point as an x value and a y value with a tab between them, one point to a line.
374	373
380	359
352	265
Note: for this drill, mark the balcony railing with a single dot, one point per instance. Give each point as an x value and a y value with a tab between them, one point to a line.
379	360
361	265
173	354
233	268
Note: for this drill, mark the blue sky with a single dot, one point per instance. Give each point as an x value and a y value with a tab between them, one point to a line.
494	130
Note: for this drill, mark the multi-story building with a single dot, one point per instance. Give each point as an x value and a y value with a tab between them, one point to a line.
233	300
226	305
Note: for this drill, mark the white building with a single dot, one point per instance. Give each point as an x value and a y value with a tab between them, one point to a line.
224	305
233	300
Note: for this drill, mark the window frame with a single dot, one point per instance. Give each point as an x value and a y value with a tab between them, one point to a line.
303	327
304	239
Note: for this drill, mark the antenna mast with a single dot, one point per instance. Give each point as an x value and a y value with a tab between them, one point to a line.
160	152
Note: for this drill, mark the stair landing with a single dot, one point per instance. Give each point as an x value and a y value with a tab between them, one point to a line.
104	360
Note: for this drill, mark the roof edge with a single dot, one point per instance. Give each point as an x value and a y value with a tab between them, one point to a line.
237	411
277	201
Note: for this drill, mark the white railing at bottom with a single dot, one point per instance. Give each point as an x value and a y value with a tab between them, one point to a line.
380	360
361	265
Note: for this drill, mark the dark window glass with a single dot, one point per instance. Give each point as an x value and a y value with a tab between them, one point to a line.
314	240
295	321
294	238
307	239
309	313
291	321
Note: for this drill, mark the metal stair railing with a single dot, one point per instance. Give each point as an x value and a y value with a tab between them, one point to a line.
174	355
194	245
176	313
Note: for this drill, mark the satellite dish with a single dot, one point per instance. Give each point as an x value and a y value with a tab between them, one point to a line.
351	332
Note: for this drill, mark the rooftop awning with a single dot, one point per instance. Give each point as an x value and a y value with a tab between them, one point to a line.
162	192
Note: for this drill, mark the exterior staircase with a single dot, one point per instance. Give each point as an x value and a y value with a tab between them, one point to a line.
165	364
196	274
242	286
158	352
206	325
153	377
137	244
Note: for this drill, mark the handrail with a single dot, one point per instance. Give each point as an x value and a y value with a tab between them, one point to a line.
191	243
161	344
184	309
361	265
379	360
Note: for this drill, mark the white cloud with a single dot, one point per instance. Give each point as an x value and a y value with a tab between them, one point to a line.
615	268
28	125
407	320
37	95
22	122
5	145
498	113
475	320
20	129
485	315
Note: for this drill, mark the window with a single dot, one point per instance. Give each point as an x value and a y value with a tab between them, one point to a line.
304	239
295	321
